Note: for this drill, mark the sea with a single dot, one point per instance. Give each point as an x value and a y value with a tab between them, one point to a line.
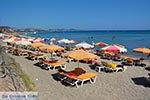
129	39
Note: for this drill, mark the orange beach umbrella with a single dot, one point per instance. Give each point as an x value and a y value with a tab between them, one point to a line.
142	50
81	54
53	47
52	39
37	44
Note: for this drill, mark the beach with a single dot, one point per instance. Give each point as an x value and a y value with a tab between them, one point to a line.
114	86
75	50
126	85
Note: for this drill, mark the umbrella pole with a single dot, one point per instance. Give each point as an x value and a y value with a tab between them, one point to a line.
78	63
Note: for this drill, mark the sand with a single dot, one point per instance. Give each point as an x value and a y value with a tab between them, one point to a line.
109	86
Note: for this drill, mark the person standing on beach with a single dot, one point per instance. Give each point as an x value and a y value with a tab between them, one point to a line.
148	56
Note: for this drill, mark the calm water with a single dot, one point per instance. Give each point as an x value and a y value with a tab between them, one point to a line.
129	39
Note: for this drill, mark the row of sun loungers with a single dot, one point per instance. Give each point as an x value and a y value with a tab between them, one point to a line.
133	62
123	59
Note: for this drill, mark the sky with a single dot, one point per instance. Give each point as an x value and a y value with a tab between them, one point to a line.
77	14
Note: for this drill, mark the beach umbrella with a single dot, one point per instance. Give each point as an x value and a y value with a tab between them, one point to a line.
81	54
46	46
17	39
10	36
53	47
142	50
114	48
84	45
37	40
9	40
119	45
45	39
36	44
52	39
18	42
73	41
25	42
100	44
65	41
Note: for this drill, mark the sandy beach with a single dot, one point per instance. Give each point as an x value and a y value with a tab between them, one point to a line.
108	86
102	49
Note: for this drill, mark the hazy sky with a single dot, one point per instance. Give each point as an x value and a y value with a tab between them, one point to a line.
78	14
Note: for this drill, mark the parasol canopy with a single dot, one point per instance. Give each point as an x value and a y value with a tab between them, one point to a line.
53	47
81	54
142	50
52	39
65	41
84	45
100	44
37	44
114	48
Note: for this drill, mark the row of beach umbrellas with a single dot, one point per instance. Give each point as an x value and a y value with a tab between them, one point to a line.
28	41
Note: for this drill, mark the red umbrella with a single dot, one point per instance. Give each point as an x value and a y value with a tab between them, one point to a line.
114	48
100	44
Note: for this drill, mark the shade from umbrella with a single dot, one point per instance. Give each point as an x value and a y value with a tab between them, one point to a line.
84	45
114	48
142	50
100	44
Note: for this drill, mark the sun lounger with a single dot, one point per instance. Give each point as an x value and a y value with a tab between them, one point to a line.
138	63
87	77
53	65
11	50
148	80
35	56
99	68
117	57
74	79
128	61
20	52
58	63
113	67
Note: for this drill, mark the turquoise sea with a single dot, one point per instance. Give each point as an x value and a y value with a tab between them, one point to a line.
130	39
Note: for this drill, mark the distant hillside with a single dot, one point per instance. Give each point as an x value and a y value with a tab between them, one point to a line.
8	30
